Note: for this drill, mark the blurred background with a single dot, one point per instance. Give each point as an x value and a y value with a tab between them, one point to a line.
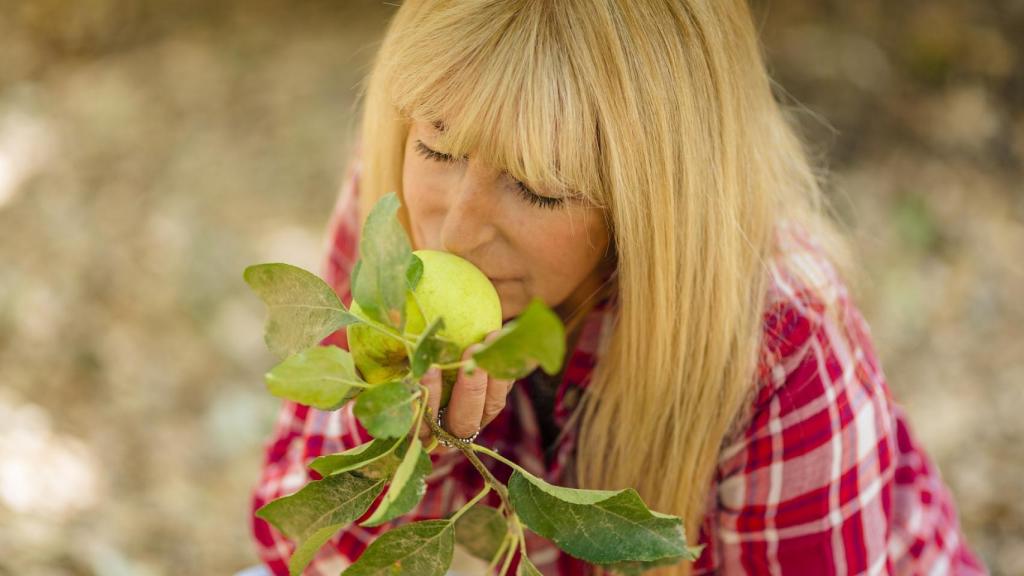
151	150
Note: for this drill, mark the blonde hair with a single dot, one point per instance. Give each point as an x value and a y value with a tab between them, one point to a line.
662	113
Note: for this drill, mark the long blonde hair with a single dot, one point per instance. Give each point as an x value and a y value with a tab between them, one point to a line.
662	113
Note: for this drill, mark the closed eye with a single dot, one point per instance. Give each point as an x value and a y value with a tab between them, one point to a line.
434	154
525	192
536	199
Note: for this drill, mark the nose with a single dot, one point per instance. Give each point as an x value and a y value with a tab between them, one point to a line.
470	220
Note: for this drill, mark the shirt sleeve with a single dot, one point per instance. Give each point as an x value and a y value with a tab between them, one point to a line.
808	487
302	433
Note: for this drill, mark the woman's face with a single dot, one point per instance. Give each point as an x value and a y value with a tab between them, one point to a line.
544	246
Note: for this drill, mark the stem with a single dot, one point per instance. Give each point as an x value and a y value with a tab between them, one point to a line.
467	450
500	458
508	557
512	541
468	505
522	534
499	553
424	396
424	401
389	332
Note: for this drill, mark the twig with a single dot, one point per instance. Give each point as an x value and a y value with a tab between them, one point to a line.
467	450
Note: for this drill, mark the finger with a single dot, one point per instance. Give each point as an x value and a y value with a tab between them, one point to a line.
466	406
432	380
497	393
497	390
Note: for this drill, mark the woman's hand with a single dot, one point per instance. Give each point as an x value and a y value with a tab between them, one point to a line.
476	398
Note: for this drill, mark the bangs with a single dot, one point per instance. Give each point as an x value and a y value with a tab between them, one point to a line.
500	81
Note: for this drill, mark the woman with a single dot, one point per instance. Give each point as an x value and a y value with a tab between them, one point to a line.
626	162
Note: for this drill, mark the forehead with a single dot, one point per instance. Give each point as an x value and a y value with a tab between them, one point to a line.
531	165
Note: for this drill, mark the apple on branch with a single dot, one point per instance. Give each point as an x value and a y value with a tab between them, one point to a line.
451	287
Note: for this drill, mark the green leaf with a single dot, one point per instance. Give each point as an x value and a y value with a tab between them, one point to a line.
598	526
414	272
384	256
323	377
430	348
407	485
382	467
352	277
535	336
303	308
414	549
313	514
388	409
636	568
480	531
354	458
526	567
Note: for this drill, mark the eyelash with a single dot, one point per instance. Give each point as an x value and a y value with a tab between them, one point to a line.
526	193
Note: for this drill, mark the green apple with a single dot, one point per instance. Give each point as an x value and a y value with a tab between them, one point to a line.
451	287
380	357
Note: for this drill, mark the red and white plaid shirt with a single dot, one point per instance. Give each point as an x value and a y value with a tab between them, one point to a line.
826	479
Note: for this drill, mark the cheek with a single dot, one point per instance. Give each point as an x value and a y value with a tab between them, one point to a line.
559	255
417	191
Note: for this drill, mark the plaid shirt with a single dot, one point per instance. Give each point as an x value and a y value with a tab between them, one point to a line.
826	479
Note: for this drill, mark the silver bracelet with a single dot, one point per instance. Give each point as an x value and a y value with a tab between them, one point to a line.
459	441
